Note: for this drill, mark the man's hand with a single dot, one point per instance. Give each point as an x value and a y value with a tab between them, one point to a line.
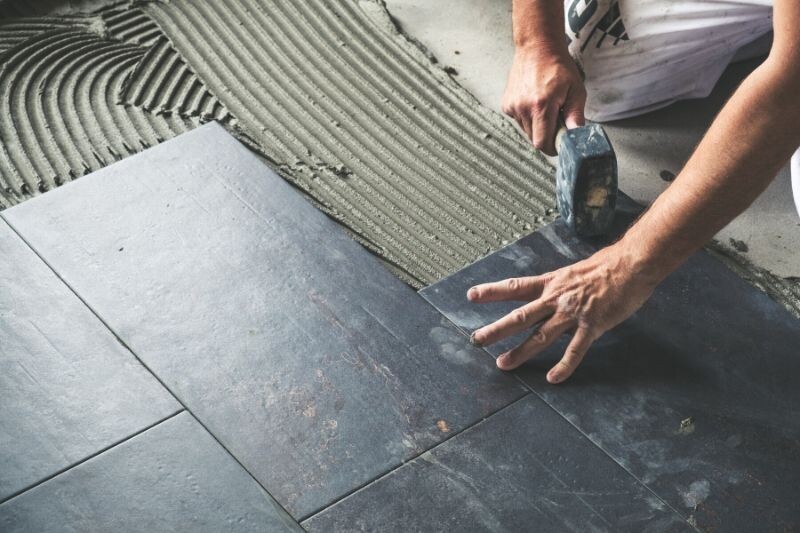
542	83
587	298
544	80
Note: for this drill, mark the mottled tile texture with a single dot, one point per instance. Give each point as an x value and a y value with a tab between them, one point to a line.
173	477
696	394
314	365
68	389
523	469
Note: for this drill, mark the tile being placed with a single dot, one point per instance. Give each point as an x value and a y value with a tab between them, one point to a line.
172	477
696	394
523	469
314	365
68	388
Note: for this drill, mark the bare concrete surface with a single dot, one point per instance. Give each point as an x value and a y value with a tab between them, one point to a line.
474	38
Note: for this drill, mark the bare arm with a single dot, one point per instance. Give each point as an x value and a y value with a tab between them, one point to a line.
543	79
753	136
539	24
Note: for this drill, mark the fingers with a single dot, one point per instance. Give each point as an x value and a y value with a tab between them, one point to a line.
545	121
524	122
516	321
521	116
541	339
573	108
573	356
523	289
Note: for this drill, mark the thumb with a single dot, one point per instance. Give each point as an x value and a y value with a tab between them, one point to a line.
573	110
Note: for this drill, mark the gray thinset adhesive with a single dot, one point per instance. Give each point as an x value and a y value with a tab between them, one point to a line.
355	116
162	83
347	108
59	112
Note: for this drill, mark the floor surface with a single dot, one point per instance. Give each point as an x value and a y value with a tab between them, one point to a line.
220	355
343	106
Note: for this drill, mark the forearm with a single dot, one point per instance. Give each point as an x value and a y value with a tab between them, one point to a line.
753	136
539	26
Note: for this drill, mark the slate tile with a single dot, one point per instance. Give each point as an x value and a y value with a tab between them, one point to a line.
523	469
314	365
68	389
172	477
707	349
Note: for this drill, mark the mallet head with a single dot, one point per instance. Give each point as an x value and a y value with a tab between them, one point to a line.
586	180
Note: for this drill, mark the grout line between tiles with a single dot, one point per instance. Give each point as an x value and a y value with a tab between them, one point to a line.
579	430
391	470
90	457
141	362
634	476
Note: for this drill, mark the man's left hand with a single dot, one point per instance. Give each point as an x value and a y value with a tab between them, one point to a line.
587	298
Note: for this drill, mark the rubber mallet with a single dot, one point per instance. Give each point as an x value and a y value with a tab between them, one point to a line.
586	179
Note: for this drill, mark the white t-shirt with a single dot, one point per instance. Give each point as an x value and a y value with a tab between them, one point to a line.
641	55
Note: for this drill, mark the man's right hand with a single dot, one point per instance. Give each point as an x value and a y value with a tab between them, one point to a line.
541	84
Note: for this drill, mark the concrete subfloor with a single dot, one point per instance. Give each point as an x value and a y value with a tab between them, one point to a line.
474	37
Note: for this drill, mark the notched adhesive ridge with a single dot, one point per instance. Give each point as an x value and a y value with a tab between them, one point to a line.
59	118
162	83
333	94
131	25
15	31
432	181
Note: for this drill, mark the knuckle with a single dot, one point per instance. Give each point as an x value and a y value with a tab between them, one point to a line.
519	316
539	103
513	284
540	337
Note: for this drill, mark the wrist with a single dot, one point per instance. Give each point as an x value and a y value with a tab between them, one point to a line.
648	263
542	50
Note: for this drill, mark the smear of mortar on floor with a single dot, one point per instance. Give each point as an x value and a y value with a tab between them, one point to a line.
345	107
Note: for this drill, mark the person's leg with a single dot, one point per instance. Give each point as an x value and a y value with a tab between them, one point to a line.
640	55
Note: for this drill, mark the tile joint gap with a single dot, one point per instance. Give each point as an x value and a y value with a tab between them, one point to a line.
91	456
391	470
579	430
141	362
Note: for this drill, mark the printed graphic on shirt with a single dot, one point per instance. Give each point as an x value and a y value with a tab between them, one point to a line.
594	22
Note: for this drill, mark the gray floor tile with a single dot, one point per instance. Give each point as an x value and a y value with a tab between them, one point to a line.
68	389
523	469
172	477
313	364
706	347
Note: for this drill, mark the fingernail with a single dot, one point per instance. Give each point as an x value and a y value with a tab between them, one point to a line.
472	293
473	341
